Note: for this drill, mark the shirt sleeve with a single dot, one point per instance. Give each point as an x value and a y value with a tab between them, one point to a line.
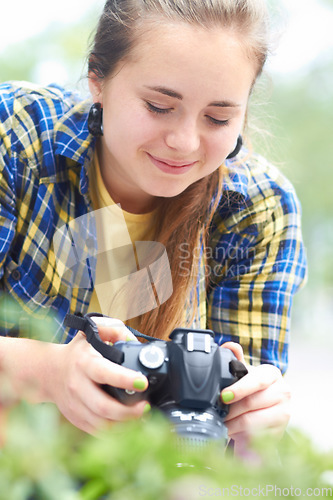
8	216
257	262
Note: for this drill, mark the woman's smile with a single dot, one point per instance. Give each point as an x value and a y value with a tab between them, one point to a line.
170	166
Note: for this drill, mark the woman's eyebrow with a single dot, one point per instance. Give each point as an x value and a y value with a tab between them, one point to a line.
224	104
166	91
177	95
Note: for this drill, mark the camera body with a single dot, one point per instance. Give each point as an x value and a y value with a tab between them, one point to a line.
190	370
186	376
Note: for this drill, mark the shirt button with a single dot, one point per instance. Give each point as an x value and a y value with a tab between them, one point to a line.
16	275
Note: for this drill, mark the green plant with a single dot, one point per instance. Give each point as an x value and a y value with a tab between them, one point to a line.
46	458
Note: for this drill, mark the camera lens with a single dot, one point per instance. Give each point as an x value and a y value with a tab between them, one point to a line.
196	428
151	357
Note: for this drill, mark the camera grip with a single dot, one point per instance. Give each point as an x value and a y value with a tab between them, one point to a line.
237	369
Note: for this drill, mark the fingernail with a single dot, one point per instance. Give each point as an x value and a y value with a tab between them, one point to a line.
139	384
227	396
130	338
147	408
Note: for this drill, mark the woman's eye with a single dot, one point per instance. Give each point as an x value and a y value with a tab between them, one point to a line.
155	109
219	123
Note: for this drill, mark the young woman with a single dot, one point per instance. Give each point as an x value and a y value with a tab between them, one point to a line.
161	141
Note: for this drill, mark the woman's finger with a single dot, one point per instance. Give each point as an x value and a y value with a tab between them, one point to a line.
236	349
112	329
277	393
258	379
274	418
92	408
103	371
83	418
102	406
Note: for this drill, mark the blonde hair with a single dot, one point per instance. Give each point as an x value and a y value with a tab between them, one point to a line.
186	217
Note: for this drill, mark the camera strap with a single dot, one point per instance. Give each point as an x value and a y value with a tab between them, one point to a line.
87	325
135	332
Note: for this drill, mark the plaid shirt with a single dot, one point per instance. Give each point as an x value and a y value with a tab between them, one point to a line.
256	259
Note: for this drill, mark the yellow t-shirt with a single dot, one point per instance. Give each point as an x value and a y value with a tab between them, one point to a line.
123	290
117	232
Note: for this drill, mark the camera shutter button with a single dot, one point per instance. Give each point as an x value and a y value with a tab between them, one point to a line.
151	357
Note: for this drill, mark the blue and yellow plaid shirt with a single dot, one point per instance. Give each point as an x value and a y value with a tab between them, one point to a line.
256	259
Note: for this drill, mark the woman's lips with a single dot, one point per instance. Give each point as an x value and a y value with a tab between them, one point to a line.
170	166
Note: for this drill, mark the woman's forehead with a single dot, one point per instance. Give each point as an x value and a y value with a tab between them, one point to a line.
174	58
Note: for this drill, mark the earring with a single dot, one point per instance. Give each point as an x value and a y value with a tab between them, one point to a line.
237	149
95	119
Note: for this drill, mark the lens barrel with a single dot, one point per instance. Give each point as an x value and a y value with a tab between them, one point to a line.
196	427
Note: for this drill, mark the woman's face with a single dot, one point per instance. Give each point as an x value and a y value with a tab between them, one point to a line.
172	112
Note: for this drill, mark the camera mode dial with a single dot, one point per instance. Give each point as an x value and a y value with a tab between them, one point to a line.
151	357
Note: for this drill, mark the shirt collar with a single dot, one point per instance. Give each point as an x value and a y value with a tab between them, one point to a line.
74	141
236	176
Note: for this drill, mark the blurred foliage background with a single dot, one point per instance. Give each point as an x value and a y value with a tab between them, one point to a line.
46	459
294	115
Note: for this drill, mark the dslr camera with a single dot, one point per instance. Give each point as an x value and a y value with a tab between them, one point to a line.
186	376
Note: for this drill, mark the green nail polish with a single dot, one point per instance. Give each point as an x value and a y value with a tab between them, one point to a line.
139	384
147	408
130	338
227	396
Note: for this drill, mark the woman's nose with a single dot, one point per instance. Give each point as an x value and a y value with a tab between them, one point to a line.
184	137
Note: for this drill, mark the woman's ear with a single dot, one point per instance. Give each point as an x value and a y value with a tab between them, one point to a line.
95	87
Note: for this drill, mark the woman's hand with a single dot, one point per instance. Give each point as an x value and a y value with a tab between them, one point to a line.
260	402
79	371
